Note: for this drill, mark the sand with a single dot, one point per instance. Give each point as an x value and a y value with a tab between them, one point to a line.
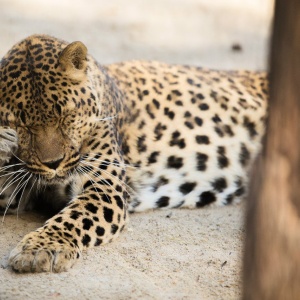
166	254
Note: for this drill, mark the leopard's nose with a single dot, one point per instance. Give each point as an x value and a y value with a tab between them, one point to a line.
53	164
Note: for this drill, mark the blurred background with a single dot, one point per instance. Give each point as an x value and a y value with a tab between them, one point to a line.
225	34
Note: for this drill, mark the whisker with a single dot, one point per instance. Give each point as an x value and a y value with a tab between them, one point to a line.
5	167
93	181
35	179
6	185
8	173
107	118
12	196
18	157
133	192
106	162
24	188
102	178
29	192
39	184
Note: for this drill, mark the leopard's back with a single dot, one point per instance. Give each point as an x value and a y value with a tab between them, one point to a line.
192	133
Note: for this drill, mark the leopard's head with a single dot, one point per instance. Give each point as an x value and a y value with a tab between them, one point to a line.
48	95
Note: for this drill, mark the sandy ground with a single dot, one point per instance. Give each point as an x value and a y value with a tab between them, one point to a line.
178	254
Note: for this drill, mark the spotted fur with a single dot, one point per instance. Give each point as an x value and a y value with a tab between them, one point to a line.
95	142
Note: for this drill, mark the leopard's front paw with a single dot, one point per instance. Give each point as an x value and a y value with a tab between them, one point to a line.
8	144
39	252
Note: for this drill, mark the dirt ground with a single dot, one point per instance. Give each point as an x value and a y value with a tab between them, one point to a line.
178	254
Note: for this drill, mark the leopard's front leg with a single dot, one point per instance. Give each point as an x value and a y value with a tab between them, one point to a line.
96	216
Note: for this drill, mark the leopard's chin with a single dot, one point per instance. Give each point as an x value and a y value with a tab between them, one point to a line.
53	180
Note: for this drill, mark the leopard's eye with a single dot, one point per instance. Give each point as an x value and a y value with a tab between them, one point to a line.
10	124
58	109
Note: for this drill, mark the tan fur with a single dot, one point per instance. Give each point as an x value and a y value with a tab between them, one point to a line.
98	141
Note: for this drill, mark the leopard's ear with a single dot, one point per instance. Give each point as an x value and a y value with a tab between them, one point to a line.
72	60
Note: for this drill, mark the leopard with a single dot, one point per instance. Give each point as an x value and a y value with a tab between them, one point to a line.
92	143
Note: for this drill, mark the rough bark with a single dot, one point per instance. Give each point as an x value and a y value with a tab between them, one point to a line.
272	248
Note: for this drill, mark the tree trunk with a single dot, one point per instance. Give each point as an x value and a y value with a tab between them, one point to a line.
272	249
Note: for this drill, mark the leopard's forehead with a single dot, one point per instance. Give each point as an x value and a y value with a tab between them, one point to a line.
33	88
30	59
